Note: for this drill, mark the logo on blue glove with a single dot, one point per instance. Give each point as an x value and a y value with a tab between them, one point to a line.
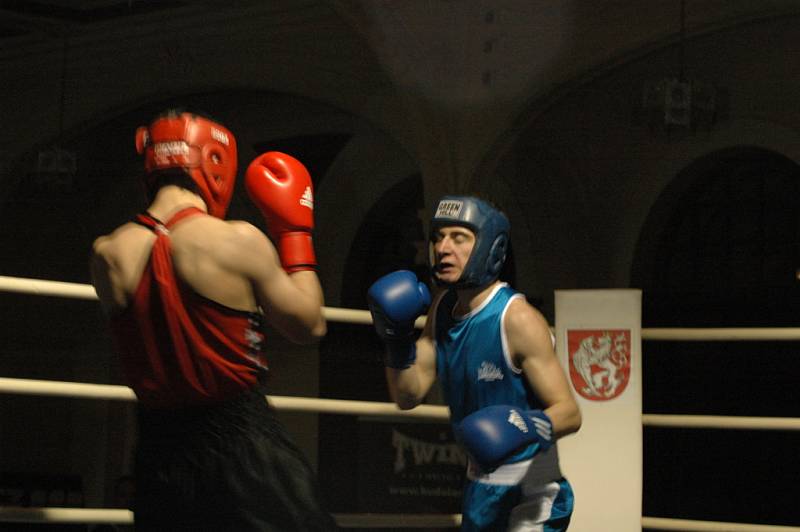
542	427
515	419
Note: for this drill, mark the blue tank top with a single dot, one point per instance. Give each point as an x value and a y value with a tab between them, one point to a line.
475	369
473	363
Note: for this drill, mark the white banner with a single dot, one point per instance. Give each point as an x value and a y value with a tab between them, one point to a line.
598	341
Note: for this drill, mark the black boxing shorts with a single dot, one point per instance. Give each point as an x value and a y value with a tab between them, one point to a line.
224	467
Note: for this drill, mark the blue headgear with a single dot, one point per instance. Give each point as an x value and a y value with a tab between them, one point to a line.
491	229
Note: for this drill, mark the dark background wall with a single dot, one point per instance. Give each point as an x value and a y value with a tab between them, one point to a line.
543	108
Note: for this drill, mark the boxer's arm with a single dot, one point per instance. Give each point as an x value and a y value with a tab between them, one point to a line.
532	348
282	189
105	277
292	303
408	387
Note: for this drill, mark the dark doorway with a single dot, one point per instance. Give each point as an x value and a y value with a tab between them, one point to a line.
721	248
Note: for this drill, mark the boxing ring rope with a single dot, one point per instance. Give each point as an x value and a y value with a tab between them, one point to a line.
41	287
335	406
114	392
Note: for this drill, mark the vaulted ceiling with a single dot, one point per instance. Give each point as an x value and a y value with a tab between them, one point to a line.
420	41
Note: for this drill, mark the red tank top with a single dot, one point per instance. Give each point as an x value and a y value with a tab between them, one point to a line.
179	348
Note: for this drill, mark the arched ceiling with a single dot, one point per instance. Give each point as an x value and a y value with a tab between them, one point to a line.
447	51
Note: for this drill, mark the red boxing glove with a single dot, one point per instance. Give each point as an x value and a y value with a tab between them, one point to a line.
281	188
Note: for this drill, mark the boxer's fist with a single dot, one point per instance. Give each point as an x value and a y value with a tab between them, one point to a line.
396	300
492	434
281	188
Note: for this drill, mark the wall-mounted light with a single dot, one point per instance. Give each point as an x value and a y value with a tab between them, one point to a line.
677	103
55	167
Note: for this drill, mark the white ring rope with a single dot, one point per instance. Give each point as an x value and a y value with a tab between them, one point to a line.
41	287
14	514
79	390
335	406
721	422
688	525
125	517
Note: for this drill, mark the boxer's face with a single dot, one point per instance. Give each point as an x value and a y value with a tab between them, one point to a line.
452	246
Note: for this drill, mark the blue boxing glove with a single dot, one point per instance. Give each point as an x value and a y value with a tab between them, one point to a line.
492	434
396	300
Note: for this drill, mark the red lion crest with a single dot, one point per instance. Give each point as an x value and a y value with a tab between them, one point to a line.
599	362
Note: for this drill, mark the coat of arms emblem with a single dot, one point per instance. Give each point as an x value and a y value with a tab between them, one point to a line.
599	362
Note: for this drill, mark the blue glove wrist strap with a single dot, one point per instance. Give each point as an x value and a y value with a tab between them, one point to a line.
543	427
400	355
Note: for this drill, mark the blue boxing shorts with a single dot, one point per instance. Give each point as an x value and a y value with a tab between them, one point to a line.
510	499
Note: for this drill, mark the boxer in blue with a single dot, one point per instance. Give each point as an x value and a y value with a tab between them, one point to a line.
492	353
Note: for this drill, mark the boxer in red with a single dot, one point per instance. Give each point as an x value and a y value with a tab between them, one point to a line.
186	294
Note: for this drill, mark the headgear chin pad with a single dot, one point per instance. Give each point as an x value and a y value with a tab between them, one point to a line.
491	228
204	149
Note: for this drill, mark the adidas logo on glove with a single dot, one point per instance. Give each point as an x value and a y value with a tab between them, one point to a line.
515	419
542	426
307	200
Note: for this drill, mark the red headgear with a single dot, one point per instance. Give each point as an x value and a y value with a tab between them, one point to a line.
204	149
